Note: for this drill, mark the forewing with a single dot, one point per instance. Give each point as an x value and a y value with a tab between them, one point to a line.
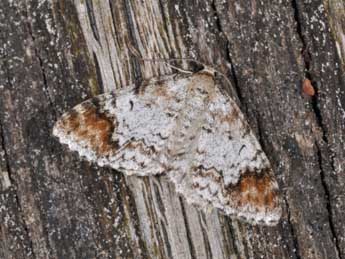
229	170
127	131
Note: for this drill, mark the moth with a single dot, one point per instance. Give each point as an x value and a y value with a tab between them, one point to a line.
183	126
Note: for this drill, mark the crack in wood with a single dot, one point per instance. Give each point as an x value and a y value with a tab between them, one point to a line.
233	238
323	128
228	54
132	41
292	231
42	68
188	232
10	174
205	237
260	133
305	51
98	74
328	201
6	157
92	19
154	219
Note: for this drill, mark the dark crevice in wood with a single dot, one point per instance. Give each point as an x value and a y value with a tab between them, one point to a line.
142	242
126	194
116	29
161	207
130	24
152	215
164	19
91	15
133	42
10	175
320	123
111	6
159	201
228	54
6	157
260	133
234	74
3	145
247	250
292	231
166	240
98	75
5	152
322	126
328	201
45	85
233	238
42	70
305	56
204	237
305	51
189	236
216	16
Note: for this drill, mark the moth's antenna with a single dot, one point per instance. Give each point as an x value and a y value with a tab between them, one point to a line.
135	53
166	61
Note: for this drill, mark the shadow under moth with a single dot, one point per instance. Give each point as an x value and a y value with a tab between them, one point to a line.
185	127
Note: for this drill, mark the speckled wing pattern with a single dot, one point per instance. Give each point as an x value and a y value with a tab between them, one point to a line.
185	127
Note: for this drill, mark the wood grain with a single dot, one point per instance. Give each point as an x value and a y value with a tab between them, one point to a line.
54	54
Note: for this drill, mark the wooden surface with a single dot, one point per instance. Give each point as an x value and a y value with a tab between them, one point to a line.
54	54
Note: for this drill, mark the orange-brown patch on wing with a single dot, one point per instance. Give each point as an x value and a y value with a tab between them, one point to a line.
91	127
99	129
71	121
258	191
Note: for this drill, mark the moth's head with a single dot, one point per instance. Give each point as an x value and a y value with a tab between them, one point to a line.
210	71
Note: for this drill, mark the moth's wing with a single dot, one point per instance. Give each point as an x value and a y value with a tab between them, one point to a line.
229	169
127	131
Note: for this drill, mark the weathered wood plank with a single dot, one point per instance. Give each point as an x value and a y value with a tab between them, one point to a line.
56	53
